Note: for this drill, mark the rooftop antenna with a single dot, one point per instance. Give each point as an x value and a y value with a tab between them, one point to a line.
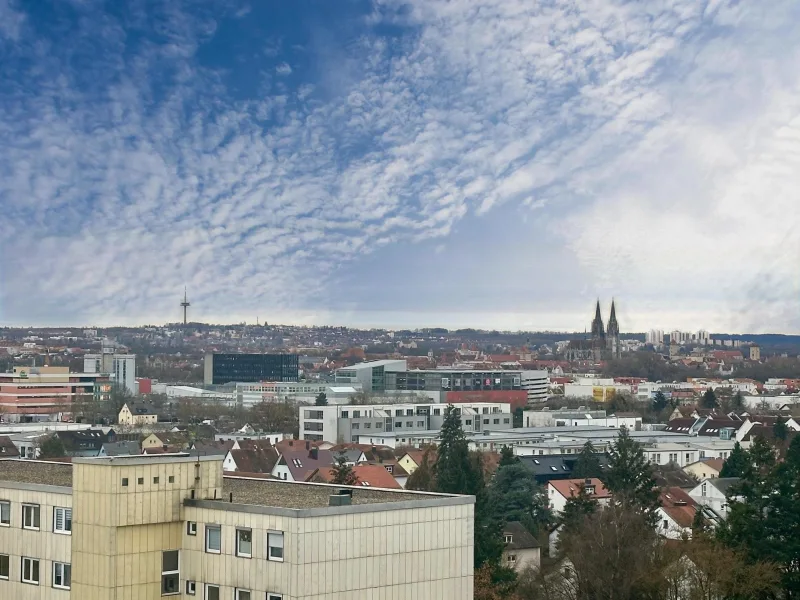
185	304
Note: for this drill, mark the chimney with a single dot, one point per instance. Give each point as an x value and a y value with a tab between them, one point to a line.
314	454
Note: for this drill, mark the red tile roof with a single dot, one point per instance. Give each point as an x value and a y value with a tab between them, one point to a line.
571	487
368	476
678	505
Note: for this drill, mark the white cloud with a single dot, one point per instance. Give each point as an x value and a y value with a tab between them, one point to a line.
658	138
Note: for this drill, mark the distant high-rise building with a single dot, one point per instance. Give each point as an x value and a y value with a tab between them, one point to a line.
227	368
121	366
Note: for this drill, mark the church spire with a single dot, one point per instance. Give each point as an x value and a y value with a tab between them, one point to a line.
613	326
598	331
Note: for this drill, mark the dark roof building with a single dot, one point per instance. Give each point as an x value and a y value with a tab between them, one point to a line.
555	466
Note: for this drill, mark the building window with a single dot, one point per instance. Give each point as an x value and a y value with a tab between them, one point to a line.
30	516
244	543
242	595
5	513
496	421
155	480
355	426
62	520
62	575
398	425
124	482
512	559
170	572
508	538
212	592
191	528
486	421
171	479
664	524
30	571
274	596
275	545
213	539
410	424
345	414
5	566
191	588
437	412
140	481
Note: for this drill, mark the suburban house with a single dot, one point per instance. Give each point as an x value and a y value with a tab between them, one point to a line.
712	495
137	413
676	514
253	458
86	442
7	448
411	460
521	548
120	449
561	490
368	476
705	468
298	465
168	440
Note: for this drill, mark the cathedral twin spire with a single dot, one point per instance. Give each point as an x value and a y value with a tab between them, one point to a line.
606	338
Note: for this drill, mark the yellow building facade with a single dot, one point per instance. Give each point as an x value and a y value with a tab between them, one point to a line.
145	527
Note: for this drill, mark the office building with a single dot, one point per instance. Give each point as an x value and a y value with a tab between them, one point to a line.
448	385
43	393
228	368
249	394
356	422
121	366
143	527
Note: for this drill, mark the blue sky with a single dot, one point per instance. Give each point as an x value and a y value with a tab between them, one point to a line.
487	163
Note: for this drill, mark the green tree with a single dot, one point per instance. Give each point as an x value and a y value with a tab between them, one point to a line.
453	469
780	431
52	447
737	402
736	464
342	471
659	401
709	399
629	477
507	457
588	463
577	508
515	496
422	477
456	471
321	399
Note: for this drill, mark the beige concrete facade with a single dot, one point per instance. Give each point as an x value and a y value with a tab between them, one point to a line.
127	511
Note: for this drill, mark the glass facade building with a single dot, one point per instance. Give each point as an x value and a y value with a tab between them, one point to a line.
227	368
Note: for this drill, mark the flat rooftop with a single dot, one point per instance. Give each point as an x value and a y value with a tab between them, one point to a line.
253	490
287	494
36	472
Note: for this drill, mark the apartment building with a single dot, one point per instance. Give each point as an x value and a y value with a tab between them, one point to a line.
39	393
352	422
143	527
121	366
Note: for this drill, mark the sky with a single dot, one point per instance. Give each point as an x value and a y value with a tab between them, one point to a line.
386	163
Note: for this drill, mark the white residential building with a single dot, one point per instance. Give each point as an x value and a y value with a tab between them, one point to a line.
351	422
712	494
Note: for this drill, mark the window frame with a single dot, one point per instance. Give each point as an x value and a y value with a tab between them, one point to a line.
37	516
211	586
66	573
238	548
66	518
275	534
237	591
31	561
171	573
8	566
7	504
191	587
274	596
208	529
191	528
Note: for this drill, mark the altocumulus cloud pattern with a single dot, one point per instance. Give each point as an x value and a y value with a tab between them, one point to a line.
398	162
